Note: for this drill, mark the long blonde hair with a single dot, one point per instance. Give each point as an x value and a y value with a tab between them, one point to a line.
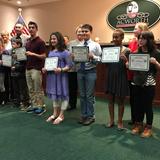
142	26
1	42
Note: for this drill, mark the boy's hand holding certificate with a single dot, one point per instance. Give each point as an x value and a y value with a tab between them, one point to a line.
21	54
80	53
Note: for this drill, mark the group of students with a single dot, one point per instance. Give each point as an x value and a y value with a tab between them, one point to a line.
21	82
140	85
121	82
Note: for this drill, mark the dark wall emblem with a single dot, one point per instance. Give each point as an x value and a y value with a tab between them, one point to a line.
126	14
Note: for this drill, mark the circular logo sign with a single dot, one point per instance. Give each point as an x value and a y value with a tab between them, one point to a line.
126	14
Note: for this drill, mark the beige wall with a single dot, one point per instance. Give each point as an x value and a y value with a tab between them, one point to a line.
65	15
8	17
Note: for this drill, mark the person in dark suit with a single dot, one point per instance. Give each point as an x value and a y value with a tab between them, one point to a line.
72	74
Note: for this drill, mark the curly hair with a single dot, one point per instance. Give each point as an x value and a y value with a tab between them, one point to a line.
61	43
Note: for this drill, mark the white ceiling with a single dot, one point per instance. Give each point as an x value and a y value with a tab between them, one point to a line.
27	2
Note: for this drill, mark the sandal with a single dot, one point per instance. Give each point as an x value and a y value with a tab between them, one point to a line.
58	120
51	118
120	127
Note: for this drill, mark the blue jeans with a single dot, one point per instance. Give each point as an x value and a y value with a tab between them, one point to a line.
86	84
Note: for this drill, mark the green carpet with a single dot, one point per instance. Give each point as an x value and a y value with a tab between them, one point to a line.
26	136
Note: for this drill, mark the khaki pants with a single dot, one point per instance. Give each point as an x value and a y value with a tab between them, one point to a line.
34	82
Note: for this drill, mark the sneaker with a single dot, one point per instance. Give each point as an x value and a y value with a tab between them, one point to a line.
82	120
146	133
3	103
31	109
88	121
39	111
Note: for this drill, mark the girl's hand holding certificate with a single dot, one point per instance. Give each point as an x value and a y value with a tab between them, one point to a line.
57	70
153	60
123	57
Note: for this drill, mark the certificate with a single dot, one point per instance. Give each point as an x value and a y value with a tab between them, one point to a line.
51	63
80	53
21	54
139	62
6	60
110	54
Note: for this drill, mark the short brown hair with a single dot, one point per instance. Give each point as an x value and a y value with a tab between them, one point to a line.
88	26
33	23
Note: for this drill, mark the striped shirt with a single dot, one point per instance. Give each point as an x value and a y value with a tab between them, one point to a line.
151	81
150	76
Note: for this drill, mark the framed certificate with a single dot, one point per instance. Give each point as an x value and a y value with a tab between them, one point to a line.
80	53
139	62
21	54
51	63
110	54
7	60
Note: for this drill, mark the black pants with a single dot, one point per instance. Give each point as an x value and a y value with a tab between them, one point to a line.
131	100
72	79
8	95
2	95
143	98
20	90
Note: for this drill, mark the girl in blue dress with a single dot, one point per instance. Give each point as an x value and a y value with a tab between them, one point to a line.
57	80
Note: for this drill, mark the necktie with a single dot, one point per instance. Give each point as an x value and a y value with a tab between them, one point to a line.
18	37
83	63
85	43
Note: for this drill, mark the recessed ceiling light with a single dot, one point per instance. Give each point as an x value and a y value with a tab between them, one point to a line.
19	2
